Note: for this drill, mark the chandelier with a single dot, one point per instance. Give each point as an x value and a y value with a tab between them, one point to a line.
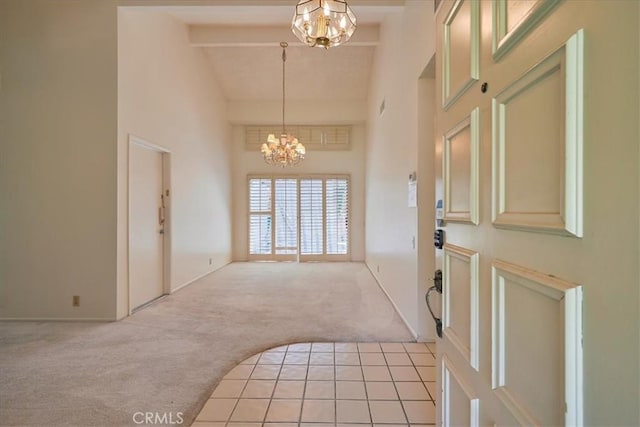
285	151
323	23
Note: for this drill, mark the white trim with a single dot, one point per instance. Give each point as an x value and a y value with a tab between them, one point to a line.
570	296
448	372
58	319
569	221
472	121
574	133
449	98
468	350
195	279
502	40
406	323
133	139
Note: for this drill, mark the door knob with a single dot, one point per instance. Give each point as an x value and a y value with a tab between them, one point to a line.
437	280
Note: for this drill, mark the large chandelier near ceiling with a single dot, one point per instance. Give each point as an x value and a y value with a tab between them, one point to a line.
323	23
285	151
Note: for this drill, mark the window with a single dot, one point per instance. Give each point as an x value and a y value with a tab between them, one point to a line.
337	216
260	217
312	211
311	217
286	208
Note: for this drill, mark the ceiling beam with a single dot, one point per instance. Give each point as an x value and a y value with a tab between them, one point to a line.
251	36
152	3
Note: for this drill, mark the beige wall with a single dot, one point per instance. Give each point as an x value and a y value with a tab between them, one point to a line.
347	162
58	106
167	96
427	200
406	45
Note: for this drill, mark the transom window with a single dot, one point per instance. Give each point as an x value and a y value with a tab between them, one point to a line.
305	217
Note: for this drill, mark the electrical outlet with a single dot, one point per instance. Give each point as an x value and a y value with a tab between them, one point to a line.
210	261
76	301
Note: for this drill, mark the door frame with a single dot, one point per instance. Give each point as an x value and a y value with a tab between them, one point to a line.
166	237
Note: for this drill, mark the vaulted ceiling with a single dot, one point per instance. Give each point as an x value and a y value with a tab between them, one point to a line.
241	40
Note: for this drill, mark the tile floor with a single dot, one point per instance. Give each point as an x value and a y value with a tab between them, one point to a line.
327	384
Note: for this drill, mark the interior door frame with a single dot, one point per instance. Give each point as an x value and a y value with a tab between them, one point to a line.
166	237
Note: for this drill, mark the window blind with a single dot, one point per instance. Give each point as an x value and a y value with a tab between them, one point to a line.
311	217
313	209
286	214
313	137
337	216
260	217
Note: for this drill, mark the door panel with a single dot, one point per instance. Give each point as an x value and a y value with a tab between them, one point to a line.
537	145
513	19
145	241
460	168
536	323
516	11
461	42
459	399
460	311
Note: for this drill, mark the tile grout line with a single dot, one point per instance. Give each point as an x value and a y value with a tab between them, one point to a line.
243	388
335	387
364	381
304	391
404	411
275	385
364	384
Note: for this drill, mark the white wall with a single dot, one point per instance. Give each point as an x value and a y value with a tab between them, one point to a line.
406	45
167	96
58	106
344	162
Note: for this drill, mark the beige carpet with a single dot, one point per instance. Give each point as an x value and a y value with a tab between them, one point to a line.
170	356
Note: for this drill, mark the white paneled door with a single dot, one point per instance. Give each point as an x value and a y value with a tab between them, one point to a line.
509	157
147	213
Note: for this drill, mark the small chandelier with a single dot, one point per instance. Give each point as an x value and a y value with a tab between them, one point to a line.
323	23
286	151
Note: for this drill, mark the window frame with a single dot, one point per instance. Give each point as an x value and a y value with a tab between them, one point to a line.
298	256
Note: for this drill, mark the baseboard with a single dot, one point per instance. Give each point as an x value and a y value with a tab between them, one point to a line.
426	340
195	279
58	319
406	323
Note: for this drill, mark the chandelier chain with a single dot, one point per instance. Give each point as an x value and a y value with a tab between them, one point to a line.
284	60
285	150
